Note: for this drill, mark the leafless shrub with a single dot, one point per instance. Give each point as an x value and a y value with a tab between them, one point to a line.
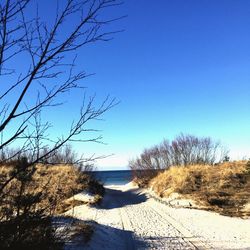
182	151
189	150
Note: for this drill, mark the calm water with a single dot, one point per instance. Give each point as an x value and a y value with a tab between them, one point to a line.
119	177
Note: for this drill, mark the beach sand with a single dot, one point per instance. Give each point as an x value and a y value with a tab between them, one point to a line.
131	219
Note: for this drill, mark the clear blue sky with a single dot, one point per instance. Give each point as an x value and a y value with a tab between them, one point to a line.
179	66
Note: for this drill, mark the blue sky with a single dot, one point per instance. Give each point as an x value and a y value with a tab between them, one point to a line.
179	66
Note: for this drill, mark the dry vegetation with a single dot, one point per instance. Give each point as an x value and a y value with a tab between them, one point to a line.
223	188
35	196
54	183
184	150
197	169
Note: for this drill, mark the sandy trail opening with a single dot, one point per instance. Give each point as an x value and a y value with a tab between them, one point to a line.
129	219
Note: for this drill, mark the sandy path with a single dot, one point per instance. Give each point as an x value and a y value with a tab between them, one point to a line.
151	229
129	219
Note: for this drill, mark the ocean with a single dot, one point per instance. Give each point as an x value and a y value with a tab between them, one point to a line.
116	177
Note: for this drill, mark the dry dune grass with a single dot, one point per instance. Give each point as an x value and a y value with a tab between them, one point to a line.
35	196
55	183
224	188
61	182
32	199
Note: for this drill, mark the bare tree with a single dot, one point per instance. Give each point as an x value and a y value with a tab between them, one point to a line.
182	151
48	53
189	149
38	65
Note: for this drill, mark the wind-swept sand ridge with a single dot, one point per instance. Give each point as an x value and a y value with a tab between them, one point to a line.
129	219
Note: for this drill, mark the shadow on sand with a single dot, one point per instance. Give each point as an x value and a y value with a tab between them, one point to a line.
111	238
103	238
116	198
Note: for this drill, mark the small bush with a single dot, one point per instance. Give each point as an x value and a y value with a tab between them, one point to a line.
95	187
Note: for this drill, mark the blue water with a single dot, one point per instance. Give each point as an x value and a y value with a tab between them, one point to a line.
118	177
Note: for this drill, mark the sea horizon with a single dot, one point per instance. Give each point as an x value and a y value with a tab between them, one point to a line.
108	168
113	177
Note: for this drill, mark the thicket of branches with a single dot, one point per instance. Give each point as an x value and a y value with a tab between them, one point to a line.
63	155
38	65
182	151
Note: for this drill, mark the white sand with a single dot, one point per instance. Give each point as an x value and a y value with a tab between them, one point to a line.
130	219
83	196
